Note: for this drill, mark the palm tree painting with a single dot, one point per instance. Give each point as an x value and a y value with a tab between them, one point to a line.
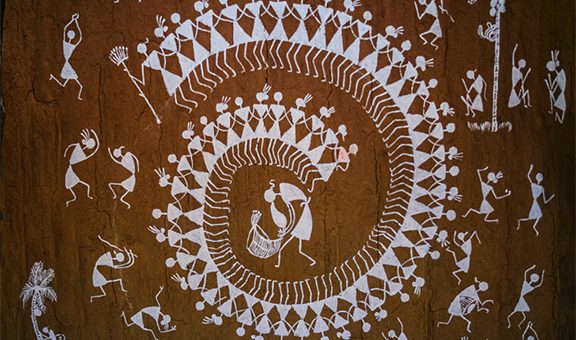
37	290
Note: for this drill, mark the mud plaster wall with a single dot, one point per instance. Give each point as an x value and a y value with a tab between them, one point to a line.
42	119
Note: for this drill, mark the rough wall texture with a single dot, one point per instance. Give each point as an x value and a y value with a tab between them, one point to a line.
345	213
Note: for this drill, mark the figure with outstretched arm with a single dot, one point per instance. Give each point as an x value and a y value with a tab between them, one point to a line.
529	285
535	213
72	36
89	142
117	258
129	162
487	188
162	321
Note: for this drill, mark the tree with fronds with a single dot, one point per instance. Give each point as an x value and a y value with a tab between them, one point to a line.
37	290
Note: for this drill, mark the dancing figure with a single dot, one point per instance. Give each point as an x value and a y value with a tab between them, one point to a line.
487	188
465	244
475	93
528	286
71	40
129	162
78	155
466	302
162	320
115	259
519	95
556	84
535	213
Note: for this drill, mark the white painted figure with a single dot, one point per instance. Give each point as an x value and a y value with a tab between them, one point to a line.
466	302
487	187
528	286
71	40
129	162
518	93
289	228
537	189
162	320
78	155
432	9
556	84
475	93
464	242
116	258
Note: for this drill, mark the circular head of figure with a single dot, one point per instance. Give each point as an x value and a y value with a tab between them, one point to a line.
200	306
343	130
392	333
269	195
160	237
172	158
166	319
530	337
383	314
119	257
539	177
163	181
366	327
551	66
391	30
451	215
367	16
420	61
492	177
454	171
156	213
183	285
406	45
187	134
442	234
240	331
450	127
435	255
278	96
159	32
419	282
461	236
198	6
433	83
404	297
142	48
217	320
483	286
522	63
118	152
324	112
45	329
90	143
239	101
353	149
175	18
203	120
170	262
71	34
223	2
534	277
470	74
